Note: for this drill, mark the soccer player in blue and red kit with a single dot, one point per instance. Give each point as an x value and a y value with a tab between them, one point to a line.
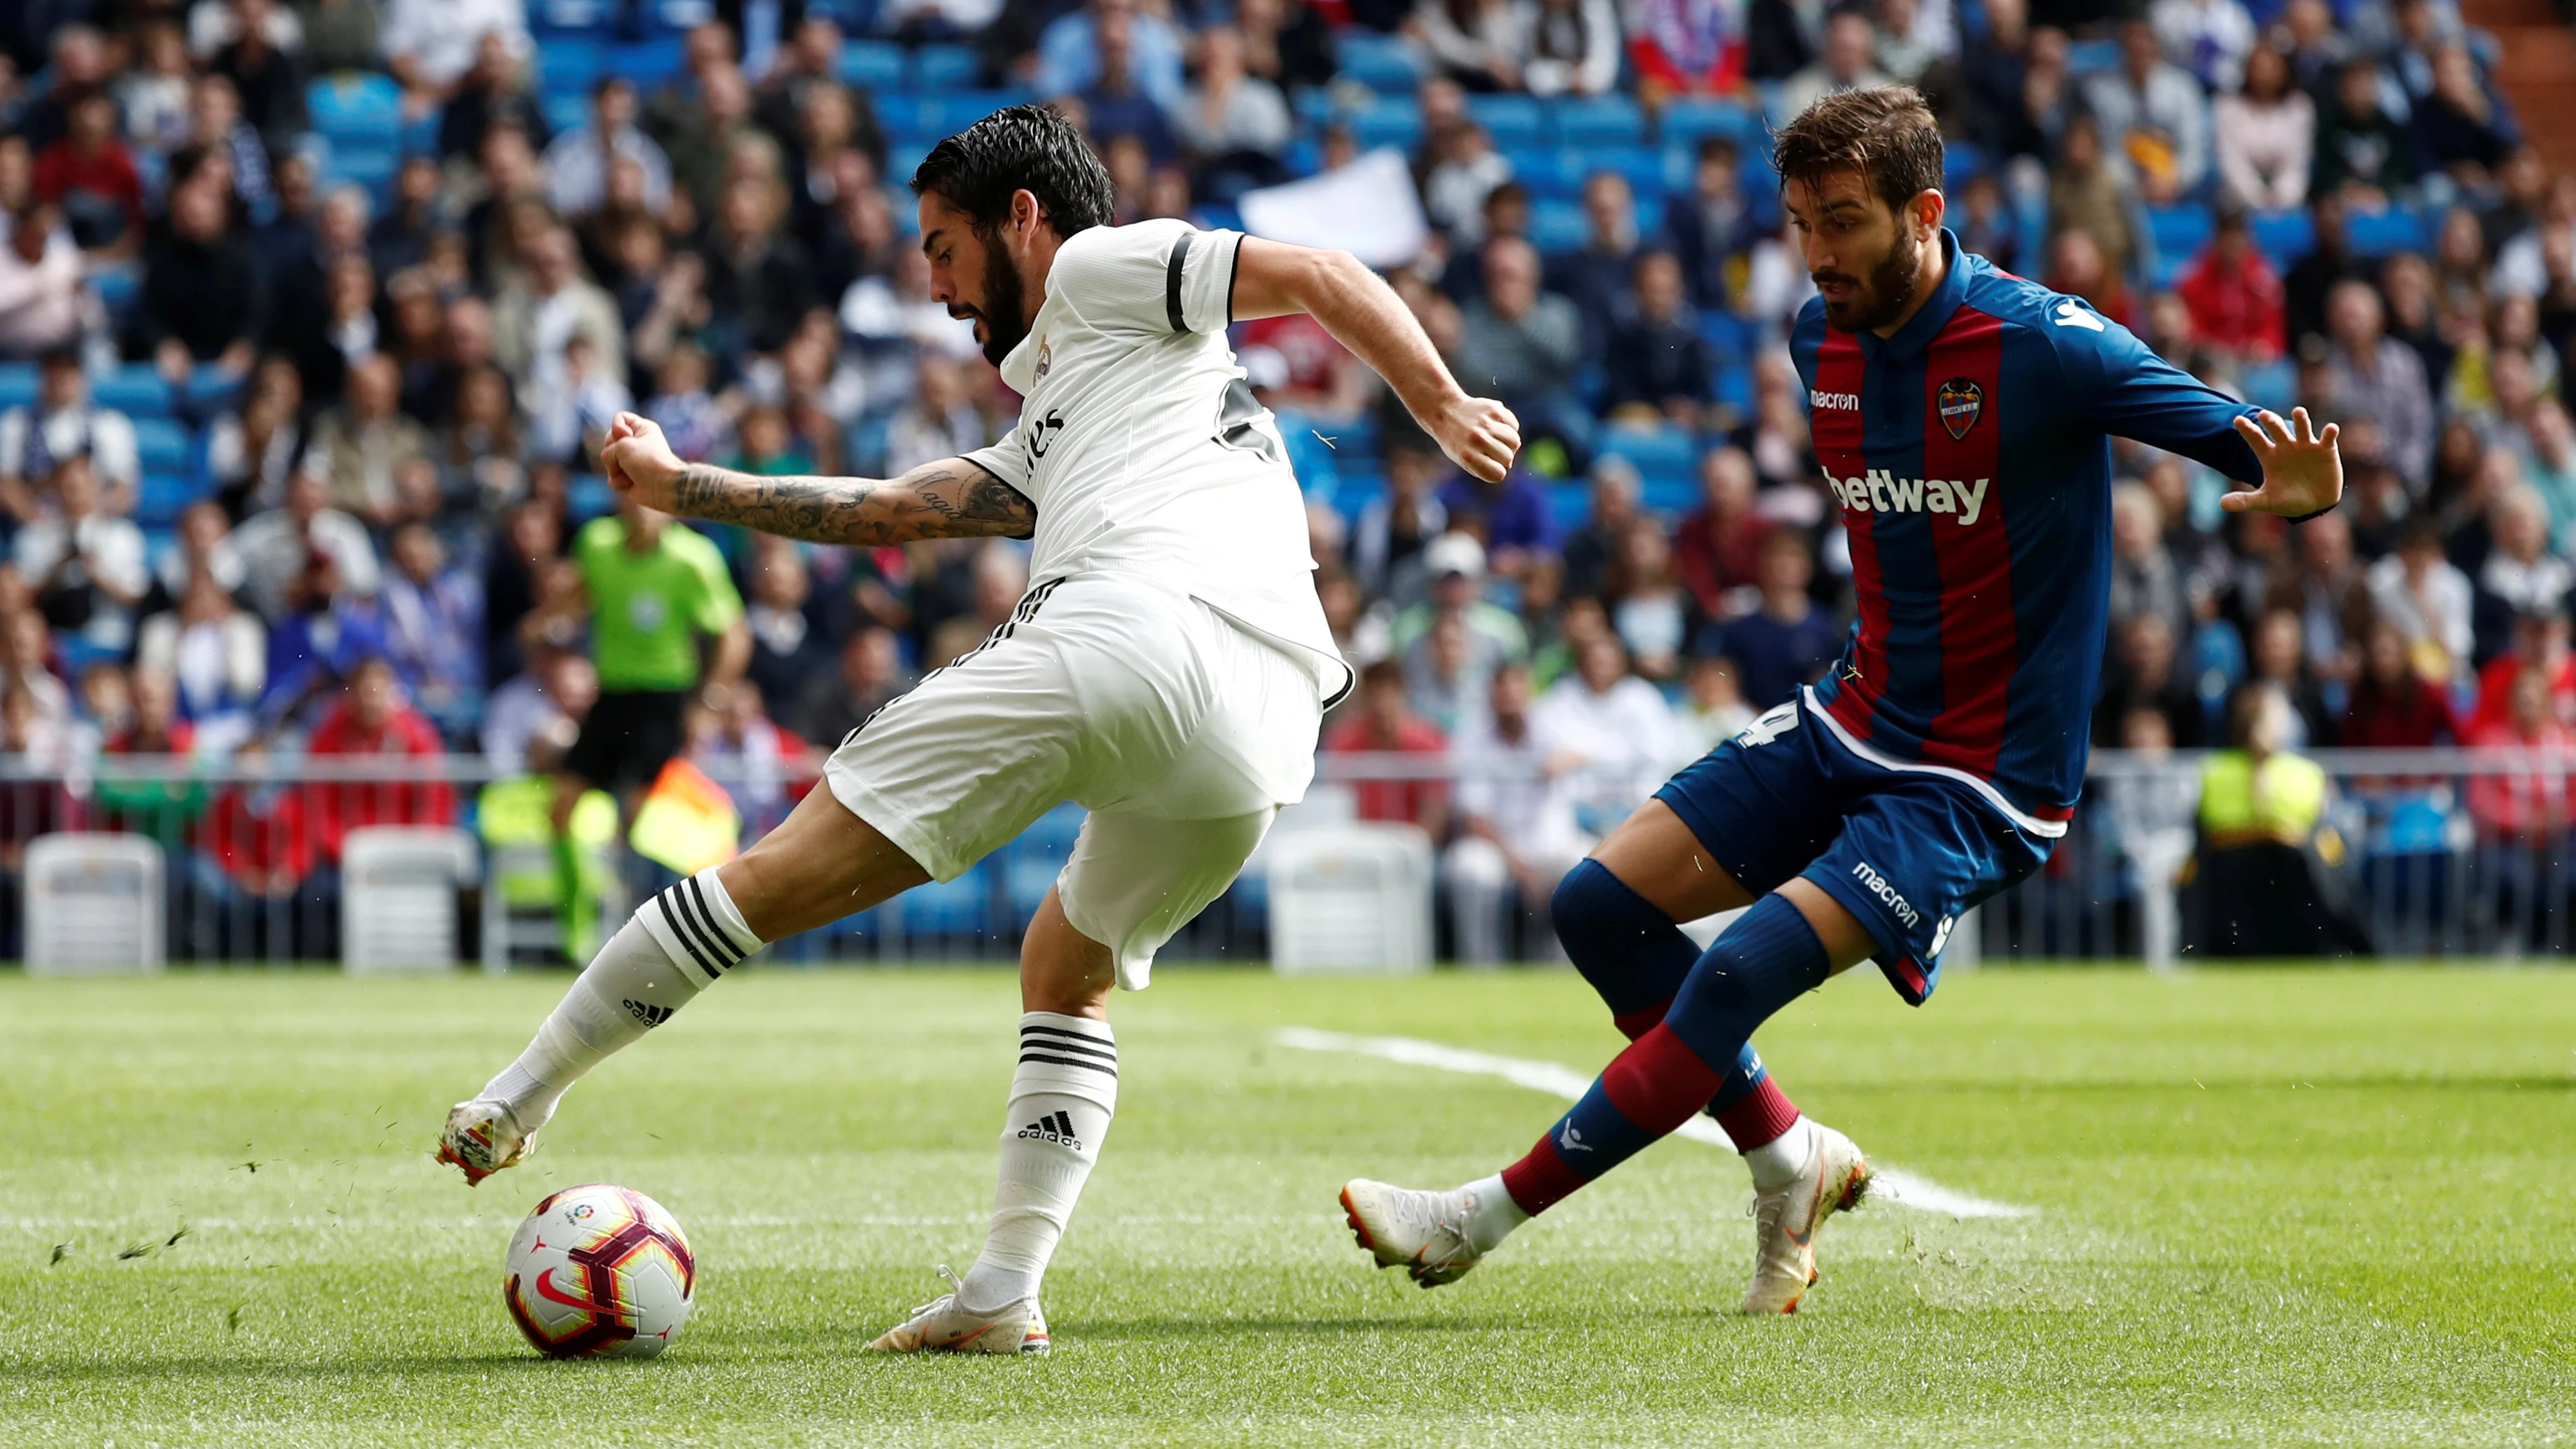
1962	417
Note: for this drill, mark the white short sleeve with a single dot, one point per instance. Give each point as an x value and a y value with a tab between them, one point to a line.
1155	276
1007	460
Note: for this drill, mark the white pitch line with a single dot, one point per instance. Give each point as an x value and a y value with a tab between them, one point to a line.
1893	1185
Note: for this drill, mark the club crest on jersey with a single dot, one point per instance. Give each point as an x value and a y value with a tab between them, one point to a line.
1046	357
1961	402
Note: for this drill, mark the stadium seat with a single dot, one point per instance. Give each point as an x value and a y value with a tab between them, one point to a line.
961	907
648	63
569	66
1642	166
1731	337
164	446
1600	121
1380	62
1961	160
679	16
372	167
93	904
565	112
1667	460
2180	230
1512	121
2285	236
936	67
1556	224
1685	121
136	389
1569	505
17	384
164	496
356	108
588	496
874	64
1388	121
554	19
2377	233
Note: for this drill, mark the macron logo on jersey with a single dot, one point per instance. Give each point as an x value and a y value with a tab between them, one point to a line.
1836	402
1879	491
1878	886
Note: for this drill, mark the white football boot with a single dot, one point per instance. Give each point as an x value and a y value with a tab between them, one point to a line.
941	1326
1423	1232
1785	1219
482	1138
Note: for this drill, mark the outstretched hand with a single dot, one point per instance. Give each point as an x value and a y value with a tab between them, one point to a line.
2302	470
1479	435
640	462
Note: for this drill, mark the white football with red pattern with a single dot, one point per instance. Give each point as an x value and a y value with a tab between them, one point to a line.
600	1272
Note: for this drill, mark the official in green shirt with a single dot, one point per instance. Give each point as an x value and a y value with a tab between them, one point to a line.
658	594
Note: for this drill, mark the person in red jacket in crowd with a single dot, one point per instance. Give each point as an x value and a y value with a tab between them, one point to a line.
2237	301
2539	647
1382	722
91	175
2393	707
373	719
1718	549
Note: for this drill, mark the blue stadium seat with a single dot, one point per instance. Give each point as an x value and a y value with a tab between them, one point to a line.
163	496
1961	160
2180	230
960	907
648	63
137	390
875	64
17	384
569	65
1025	881
2086	56
1685	121
356	108
679	15
1556	225
1731	337
1512	121
1664	452
2285	236
164	446
934	115
1388	121
1380	62
1541	171
553	19
588	496
1643	167
210	387
1054	832
566	112
1600	121
372	167
2377	233
943	66
1569	505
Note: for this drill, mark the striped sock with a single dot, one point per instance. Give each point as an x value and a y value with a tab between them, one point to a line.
696	923
1062	1097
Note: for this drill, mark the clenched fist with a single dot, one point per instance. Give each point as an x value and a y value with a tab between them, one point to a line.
1479	435
640	462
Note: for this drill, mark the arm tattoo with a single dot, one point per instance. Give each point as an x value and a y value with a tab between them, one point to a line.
948	499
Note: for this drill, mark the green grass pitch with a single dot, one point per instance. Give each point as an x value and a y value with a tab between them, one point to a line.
2295	1206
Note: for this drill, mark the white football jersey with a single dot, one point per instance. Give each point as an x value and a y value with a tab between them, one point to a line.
1143	447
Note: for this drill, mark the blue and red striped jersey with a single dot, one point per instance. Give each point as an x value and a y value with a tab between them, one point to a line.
1971	455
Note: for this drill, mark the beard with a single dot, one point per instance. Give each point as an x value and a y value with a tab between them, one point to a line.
1005	301
1882	298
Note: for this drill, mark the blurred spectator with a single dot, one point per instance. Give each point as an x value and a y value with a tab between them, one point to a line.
2530	811
270	548
2077	266
1616	724
2212	39
1712	708
2090	193
1525	345
2364	155
2153	116
1453	566
1286	42
2144	579
431	45
1649	609
1843	63
2328	263
1786	642
2539	647
532	323
224	146
27	664
577	162
85	568
434	628
2265	135
250	454
2429	600
2235	297
1657	361
1686	47
372	718
2377	377
1476	43
1718	546
2394	706
2147	675
1465	169
759	278
363	443
1591	553
1383	723
264	73
202	299
1072	57
316	645
1985	225
1446	671
2550	468
153	92
546	700
1711	229
833	705
92	177
65	424
1233	121
1516	834
40	283
1595	276
789	645
1567	47
2462	128
2267	870
1511	516
2277	658
341	35
215	651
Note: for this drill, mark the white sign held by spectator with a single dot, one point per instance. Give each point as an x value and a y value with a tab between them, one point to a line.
1366	208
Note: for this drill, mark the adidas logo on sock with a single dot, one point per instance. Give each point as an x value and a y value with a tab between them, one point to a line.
1056	1127
650	1015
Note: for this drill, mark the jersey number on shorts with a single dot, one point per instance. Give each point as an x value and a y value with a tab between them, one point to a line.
1778	721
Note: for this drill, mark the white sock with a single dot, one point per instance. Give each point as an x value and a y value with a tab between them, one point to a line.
673	947
1784	1158
1491	1213
1062	1097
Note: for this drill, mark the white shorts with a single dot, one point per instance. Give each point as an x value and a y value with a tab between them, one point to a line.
1181	733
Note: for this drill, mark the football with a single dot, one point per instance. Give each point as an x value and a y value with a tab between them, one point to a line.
600	1272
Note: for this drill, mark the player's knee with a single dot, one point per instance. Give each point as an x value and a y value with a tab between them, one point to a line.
1769	957
1599	918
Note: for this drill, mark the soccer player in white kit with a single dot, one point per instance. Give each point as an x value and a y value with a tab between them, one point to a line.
1167	669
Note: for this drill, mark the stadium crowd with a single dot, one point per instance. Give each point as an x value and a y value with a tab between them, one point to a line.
314	312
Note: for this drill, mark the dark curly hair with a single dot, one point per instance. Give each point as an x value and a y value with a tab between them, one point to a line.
1019	148
1886	133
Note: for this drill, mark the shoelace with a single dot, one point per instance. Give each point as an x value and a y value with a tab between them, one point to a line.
956	1286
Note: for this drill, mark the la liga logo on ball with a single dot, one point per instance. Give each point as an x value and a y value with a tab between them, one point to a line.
600	1271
